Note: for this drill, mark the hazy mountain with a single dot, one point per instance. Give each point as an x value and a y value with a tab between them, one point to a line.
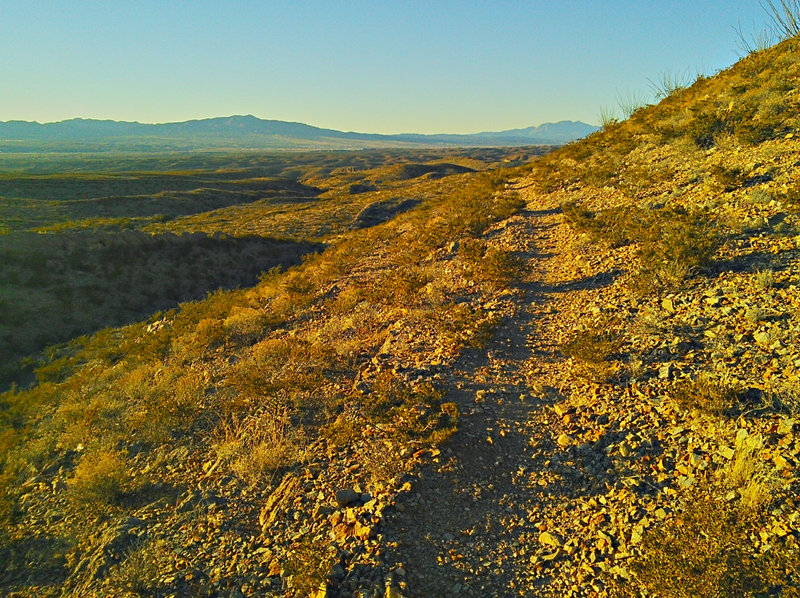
249	132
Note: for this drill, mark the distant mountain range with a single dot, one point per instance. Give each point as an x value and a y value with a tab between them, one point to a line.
249	132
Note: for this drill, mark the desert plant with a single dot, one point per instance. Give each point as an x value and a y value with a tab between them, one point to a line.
630	102
139	570
757	42
255	446
607	117
785	17
705	127
726	179
616	226
488	264
764	279
706	550
674	245
669	82
595	349
100	478
706	394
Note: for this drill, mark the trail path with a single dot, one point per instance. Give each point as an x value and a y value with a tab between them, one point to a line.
471	523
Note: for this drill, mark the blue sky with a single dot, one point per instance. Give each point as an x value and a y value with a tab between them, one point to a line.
381	66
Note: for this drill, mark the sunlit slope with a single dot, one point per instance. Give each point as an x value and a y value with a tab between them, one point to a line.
678	395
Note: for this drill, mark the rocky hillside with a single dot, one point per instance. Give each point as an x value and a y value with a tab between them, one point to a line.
578	378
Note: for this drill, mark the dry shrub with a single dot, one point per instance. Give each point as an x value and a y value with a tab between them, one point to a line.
749	474
716	397
497	267
615	226
725	179
100	478
139	571
463	325
707	550
673	246
254	447
595	349
163	400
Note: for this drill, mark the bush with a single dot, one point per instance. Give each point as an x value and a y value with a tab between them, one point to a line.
706	394
706	127
497	267
595	348
616	226
675	244
256	446
101	478
706	550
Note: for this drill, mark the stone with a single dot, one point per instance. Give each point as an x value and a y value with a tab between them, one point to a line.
550	539
726	452
785	426
562	409
565	440
393	591
346	497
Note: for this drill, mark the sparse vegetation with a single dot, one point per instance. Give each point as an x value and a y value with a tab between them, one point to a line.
595	350
706	394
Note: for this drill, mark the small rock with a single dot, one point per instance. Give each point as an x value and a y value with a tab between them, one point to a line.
785	426
347	497
550	539
565	440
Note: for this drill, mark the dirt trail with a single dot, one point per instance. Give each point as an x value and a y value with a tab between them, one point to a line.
467	527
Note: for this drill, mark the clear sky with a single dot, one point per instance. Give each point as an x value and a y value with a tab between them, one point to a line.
382	66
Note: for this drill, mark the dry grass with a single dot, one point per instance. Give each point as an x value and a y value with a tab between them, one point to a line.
707	394
254	448
100	479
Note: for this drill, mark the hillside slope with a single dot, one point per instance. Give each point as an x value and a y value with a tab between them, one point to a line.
578	378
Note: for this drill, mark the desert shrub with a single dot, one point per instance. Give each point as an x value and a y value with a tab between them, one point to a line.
255	446
488	264
397	286
100	478
463	325
616	226
791	197
415	411
755	132
139	571
726	179
707	550
716	397
162	401
595	349
705	127
674	245
307	566
765	278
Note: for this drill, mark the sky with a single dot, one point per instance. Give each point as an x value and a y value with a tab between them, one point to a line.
380	66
